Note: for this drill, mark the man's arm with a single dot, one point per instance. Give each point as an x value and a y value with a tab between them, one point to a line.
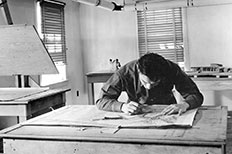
109	94
188	89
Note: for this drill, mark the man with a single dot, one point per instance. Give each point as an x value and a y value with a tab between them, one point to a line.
149	80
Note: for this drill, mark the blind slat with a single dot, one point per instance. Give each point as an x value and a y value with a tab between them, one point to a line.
160	31
53	30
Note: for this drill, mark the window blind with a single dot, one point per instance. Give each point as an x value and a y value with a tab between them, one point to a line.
160	31
53	30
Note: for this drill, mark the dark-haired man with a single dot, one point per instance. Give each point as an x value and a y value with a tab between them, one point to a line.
149	80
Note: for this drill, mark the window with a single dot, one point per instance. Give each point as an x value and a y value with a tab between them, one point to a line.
51	28
160	31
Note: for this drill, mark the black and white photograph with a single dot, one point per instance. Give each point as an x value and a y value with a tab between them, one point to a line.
115	76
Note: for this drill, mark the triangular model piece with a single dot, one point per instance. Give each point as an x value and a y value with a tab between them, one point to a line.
22	52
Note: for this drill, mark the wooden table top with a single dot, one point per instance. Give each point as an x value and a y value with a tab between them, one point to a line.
209	128
24	95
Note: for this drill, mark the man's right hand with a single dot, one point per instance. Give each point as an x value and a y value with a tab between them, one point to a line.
130	108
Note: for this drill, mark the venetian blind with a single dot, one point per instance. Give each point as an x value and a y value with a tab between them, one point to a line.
160	31
53	30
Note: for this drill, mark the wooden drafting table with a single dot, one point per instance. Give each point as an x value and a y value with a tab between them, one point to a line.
26	103
23	54
43	134
96	77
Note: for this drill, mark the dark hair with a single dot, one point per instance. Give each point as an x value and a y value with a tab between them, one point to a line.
153	65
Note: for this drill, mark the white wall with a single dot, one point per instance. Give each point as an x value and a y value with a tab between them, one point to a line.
210	35
104	35
75	73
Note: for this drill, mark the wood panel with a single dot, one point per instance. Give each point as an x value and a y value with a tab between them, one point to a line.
70	147
13	110
23	53
13	94
30	102
70	118
98	77
59	132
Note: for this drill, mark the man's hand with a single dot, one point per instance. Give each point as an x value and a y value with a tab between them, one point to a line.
130	108
176	108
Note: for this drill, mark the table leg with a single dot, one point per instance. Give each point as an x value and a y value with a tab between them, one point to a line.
91	94
224	149
21	119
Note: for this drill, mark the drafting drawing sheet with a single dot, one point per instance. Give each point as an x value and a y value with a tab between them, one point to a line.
92	117
152	118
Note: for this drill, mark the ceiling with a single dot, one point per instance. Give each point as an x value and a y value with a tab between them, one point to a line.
134	5
121	2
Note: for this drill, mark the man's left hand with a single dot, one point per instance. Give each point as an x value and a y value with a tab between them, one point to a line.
176	108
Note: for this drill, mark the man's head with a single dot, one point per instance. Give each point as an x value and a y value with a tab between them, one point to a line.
152	67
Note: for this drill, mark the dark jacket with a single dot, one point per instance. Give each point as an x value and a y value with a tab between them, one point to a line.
127	79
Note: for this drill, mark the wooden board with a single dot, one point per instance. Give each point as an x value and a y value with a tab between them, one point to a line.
209	128
23	53
208	135
12	146
26	103
12	94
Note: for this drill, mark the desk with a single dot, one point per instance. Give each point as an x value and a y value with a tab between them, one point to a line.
30	102
58	132
213	84
96	77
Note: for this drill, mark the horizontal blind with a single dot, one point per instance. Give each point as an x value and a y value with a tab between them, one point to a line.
160	31
53	30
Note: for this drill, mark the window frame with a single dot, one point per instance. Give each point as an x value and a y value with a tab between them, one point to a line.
60	58
144	49
53	29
